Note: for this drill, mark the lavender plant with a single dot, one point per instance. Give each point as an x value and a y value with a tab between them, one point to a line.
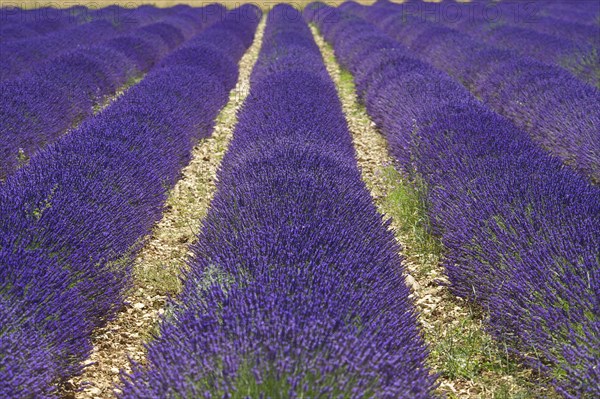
525	33
560	112
18	24
55	96
520	231
74	216
20	56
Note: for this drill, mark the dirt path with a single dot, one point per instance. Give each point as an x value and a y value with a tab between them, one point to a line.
158	264
469	362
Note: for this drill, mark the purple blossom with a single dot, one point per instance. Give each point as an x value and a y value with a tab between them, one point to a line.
56	95
559	111
73	218
520	230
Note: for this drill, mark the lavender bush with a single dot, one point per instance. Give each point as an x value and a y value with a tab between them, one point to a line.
20	56
26	24
73	217
513	26
42	105
526	14
520	231
559	111
583	11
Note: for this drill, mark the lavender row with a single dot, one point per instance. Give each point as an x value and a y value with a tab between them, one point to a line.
579	58
518	13
569	30
580	11
17	24
11	14
22	55
77	13
74	217
295	289
523	14
14	13
42	105
559	112
521	232
23	24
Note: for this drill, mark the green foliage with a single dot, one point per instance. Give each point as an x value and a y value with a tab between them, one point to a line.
406	202
268	382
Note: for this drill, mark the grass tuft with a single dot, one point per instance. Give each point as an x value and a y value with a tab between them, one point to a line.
406	202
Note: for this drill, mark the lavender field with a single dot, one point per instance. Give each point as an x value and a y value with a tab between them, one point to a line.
311	200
